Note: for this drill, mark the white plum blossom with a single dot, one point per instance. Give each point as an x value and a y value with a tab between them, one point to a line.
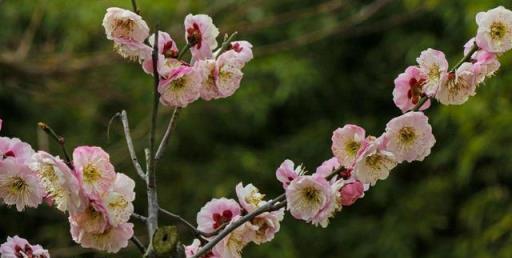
374	162
346	142
410	137
457	86
495	30
433	64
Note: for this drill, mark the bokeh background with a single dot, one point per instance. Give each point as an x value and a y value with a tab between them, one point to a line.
318	65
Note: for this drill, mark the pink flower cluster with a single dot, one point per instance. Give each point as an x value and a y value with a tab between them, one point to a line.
98	199
212	74
17	247
359	162
431	77
219	213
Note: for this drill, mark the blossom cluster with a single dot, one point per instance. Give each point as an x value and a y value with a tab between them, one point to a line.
16	247
213	73
431	77
219	213
98	200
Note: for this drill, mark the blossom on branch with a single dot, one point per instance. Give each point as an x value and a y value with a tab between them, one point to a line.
217	213
94	170
180	87
201	35
433	64
374	161
409	89
17	247
287	172
19	185
457	86
409	137
346	142
495	30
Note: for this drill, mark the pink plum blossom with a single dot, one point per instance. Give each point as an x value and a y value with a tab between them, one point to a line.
350	192
118	201
239	51
434	66
180	87
327	167
495	30
458	86
374	162
409	89
13	148
287	172
220	78
216	213
59	181
128	31
308	196
19	185
1	122
410	137
485	64
111	240
266	225
17	247
94	170
93	219
249	197
167	50
346	142
231	246
201	34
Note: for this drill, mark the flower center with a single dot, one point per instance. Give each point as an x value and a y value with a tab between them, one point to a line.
194	36
178	84
91	174
236	47
123	28
18	185
9	154
221	219
406	135
434	73
311	195
498	31
352	147
415	91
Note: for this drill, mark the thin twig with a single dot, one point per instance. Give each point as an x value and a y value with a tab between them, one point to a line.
138	244
139	217
135	8
226	43
168	132
129	143
59	139
183	51
182	220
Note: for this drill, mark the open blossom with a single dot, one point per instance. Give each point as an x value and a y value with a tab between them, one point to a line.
118	201
410	137
216	213
128	31
94	170
346	142
458	86
307	196
19	185
232	245
485	63
17	247
266	225
221	78
327	167
60	183
350	192
433	64
13	148
495	30
409	89
111	240
287	172
93	219
239	51
201	34
181	87
166	50
249	197
374	162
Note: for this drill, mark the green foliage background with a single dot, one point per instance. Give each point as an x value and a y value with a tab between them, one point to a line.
457	203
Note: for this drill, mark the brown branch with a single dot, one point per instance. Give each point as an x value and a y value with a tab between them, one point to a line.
28	36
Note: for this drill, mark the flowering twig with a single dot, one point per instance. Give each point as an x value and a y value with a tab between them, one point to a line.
168	132
59	139
152	221
464	59
129	143
226	43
